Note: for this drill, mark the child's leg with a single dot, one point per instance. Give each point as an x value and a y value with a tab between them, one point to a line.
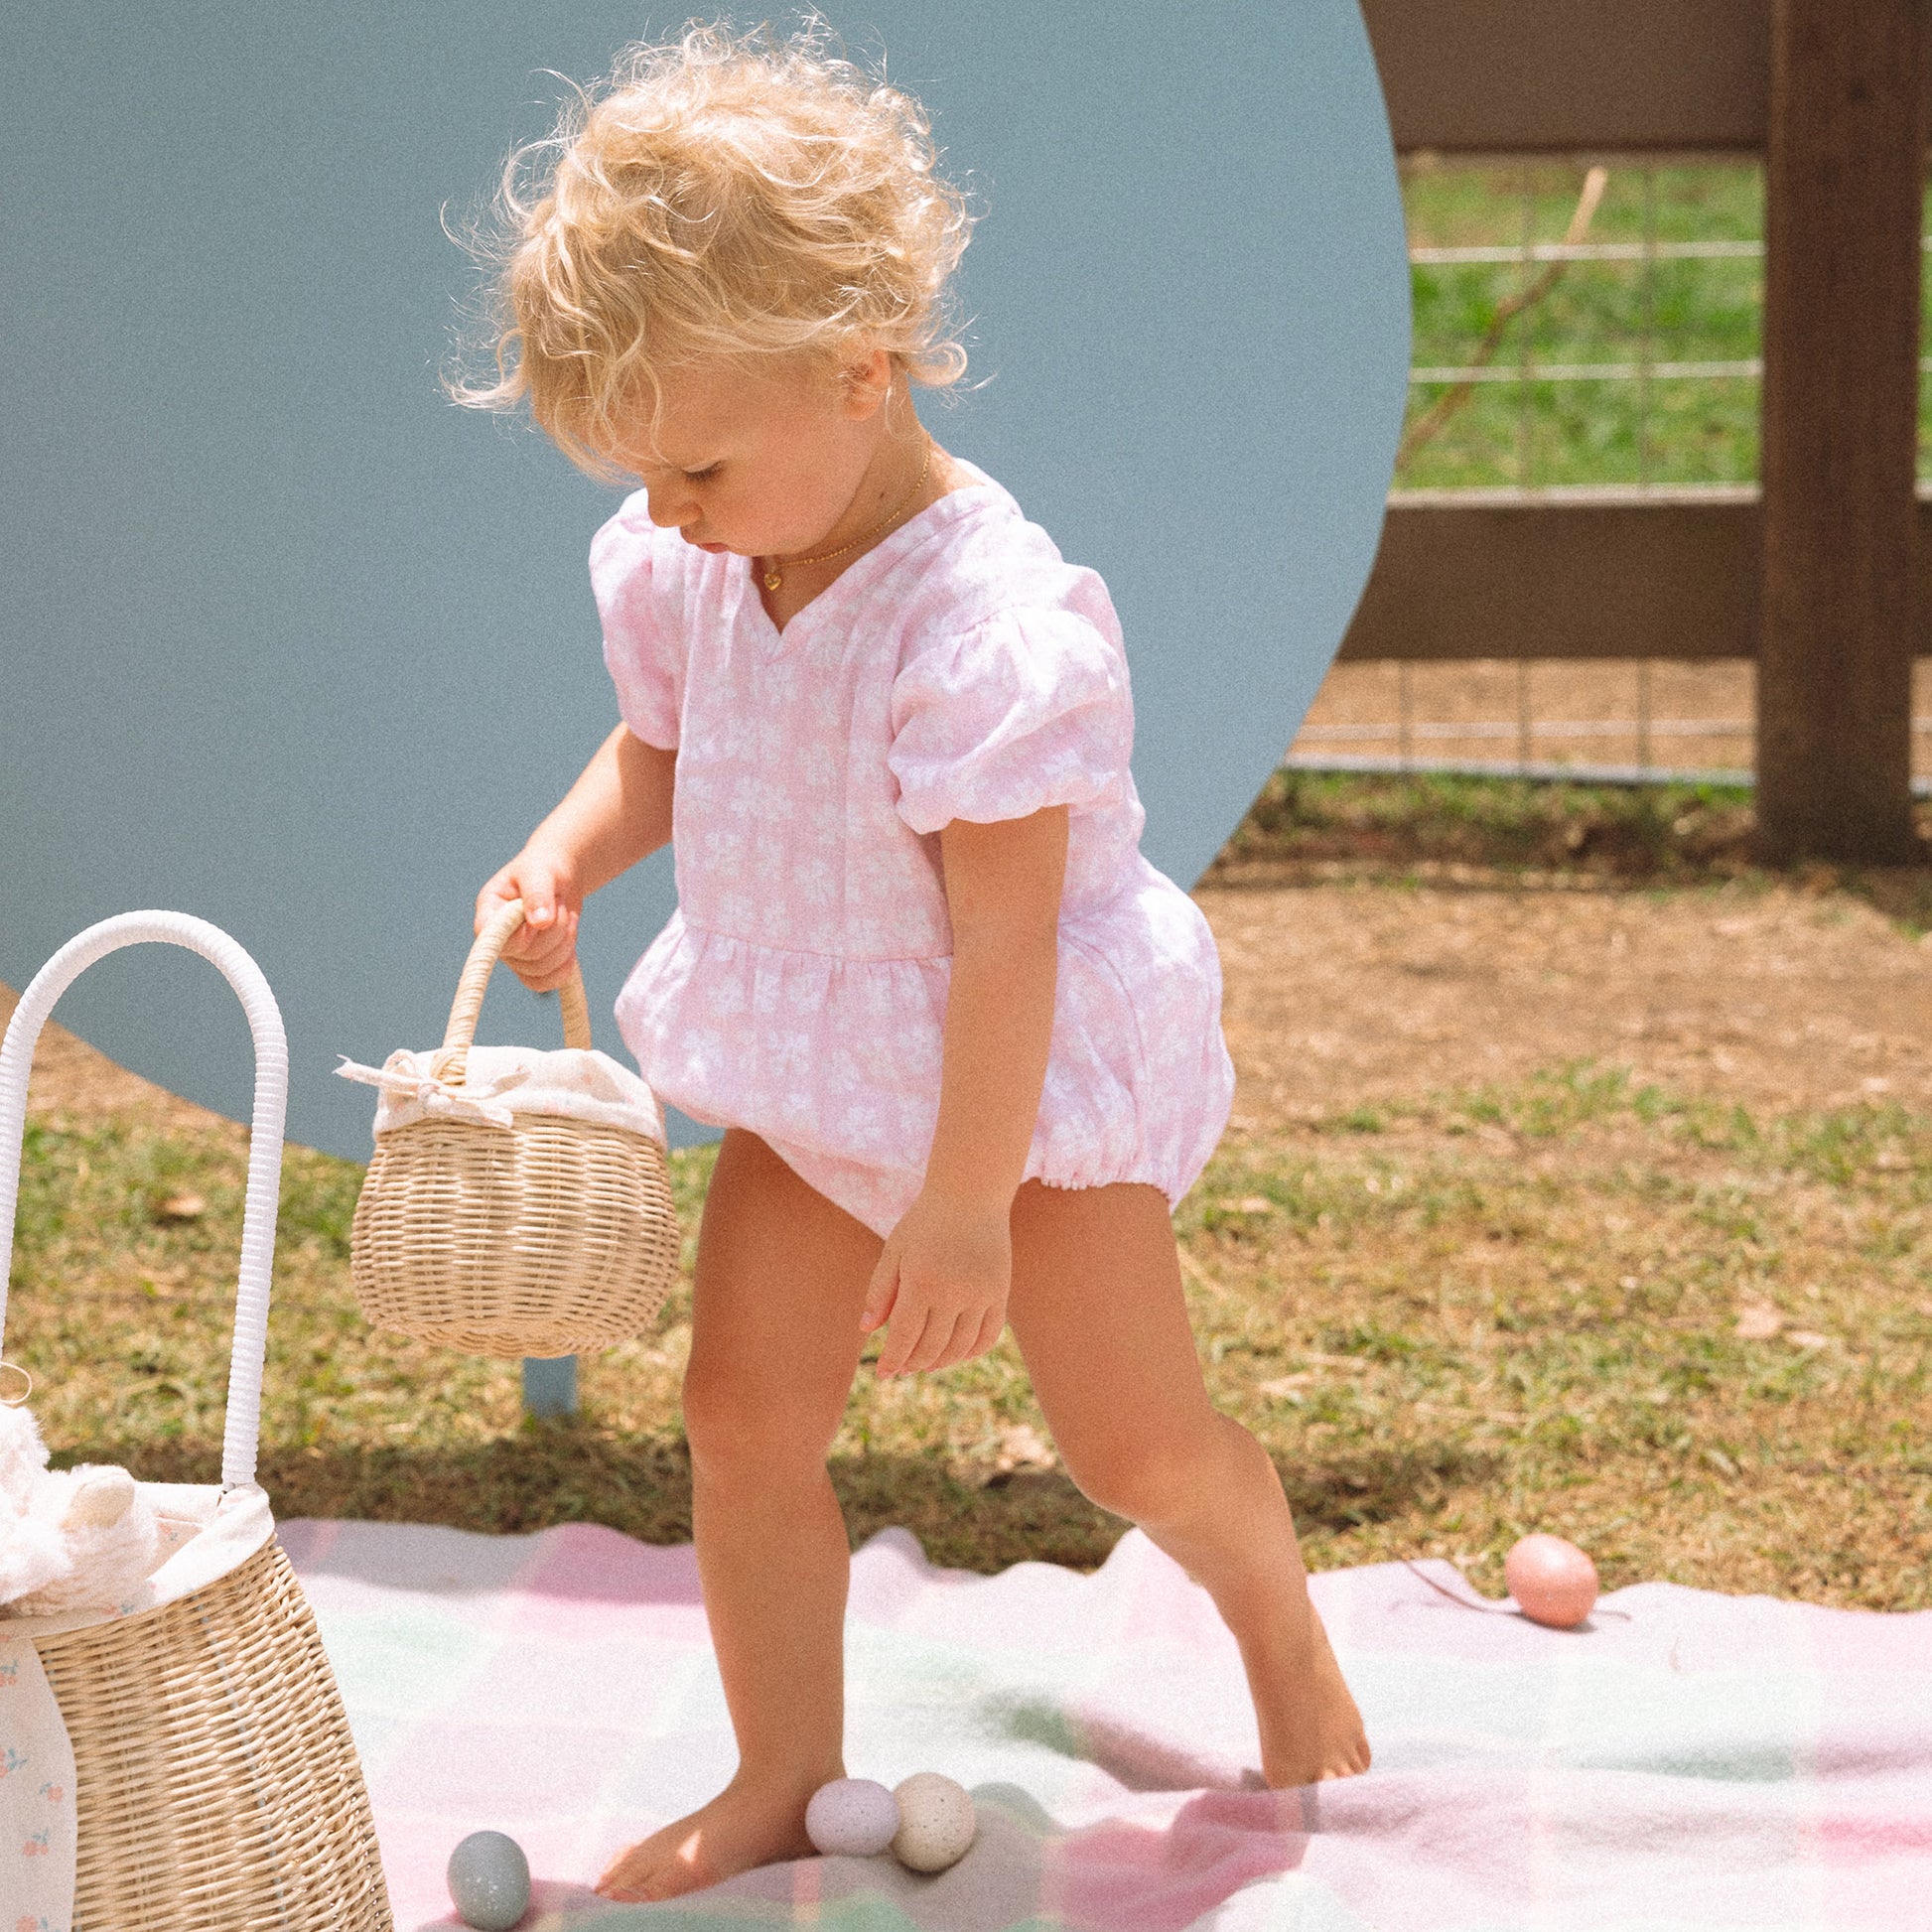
1098	1310
781	1279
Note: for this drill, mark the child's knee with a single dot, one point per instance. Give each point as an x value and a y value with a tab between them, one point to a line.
1144	1480
1163	1474
732	1434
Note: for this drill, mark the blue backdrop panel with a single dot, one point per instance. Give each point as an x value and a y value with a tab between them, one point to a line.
292	644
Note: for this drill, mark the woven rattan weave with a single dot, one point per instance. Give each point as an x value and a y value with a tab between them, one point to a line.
215	1782
547	1237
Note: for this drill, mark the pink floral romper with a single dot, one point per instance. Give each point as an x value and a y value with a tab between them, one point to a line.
959	669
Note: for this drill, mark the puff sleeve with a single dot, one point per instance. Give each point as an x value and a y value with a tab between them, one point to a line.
1025	710
640	651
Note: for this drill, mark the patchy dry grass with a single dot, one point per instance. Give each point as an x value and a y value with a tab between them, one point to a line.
1398	821
1695	1341
1693	1338
1308	826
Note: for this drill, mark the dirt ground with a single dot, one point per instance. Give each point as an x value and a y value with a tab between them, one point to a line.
1692	1346
1477	711
1345	992
1341	992
1700	714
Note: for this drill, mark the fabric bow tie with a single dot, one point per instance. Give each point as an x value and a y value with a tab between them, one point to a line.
402	1073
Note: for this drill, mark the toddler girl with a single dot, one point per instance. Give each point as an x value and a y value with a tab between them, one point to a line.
963	1039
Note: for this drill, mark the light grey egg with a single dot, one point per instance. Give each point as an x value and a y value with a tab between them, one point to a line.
852	1818
489	1881
936	1821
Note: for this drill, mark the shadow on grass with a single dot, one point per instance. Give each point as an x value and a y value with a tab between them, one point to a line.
1345	1492
565	1472
1389	826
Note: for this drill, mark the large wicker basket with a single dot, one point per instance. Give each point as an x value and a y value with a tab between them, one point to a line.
217	1786
547	1237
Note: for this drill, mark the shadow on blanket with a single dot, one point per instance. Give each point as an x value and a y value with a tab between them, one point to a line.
1694	1762
1021	1872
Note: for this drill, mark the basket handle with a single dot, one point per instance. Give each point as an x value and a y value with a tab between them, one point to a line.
241	1434
460	1034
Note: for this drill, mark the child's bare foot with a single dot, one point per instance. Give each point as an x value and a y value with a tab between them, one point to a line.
1310	1728
738	1829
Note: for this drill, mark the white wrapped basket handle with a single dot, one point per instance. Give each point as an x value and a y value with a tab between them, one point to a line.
241	1434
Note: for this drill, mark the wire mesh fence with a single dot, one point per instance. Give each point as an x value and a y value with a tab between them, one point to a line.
1639	722
1575	326
1594	723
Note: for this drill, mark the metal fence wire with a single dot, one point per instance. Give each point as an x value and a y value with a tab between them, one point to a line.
1519	366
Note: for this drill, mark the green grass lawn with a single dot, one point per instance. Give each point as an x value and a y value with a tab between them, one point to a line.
1694	430
1694	1337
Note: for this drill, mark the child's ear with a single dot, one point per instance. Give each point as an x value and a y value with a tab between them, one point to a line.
867	382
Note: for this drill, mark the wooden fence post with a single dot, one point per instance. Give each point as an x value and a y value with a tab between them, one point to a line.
1844	190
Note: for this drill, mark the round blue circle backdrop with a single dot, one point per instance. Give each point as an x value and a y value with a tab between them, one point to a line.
292	644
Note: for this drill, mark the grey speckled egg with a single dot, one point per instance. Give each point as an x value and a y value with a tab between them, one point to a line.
851	1818
489	1881
936	1821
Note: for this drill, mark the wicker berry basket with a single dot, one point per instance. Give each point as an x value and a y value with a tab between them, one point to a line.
548	1236
217	1786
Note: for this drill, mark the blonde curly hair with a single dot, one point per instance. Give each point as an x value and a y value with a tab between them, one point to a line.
721	195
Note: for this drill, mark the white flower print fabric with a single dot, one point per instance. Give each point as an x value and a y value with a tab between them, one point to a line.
39	1846
205	1534
959	670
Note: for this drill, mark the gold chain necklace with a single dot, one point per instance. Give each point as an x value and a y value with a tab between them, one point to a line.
775	578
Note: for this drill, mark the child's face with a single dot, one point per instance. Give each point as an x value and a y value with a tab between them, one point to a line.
761	463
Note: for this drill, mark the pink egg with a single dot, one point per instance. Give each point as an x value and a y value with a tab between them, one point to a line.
1553	1582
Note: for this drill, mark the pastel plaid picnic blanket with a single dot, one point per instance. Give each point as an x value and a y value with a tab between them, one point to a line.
1685	1760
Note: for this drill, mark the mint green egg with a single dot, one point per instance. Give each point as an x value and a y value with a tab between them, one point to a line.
489	1881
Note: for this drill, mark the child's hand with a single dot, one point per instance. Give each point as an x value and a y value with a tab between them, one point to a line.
542	951
943	1281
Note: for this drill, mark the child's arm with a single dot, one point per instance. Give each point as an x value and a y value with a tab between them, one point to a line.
944	1274
618	812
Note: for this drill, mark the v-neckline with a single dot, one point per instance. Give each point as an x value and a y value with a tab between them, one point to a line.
879	559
